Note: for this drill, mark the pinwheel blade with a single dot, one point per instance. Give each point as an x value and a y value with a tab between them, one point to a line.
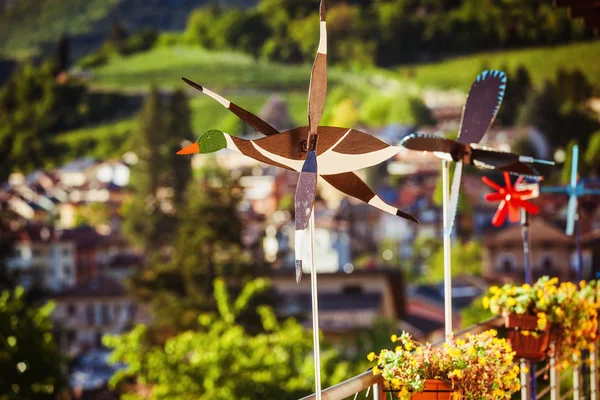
493	157
454	195
491	183
304	203
481	108
501	214
514	215
529	207
495	196
571	210
318	78
574	165
433	143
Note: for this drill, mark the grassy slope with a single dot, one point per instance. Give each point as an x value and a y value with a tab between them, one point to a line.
31	22
249	83
542	64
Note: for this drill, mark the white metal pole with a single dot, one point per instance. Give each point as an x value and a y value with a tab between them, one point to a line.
524	379
315	305
576	390
447	235
554	383
593	372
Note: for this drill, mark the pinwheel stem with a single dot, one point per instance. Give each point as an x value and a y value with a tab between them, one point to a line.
529	280
447	261
578	247
315	305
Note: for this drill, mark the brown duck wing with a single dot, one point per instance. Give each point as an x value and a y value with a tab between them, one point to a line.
349	183
357	142
292	144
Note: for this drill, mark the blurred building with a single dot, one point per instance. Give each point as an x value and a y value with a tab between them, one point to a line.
551	253
85	313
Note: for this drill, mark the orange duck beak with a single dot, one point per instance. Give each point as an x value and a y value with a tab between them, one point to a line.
191	149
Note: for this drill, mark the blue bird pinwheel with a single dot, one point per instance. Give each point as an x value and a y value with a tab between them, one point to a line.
574	190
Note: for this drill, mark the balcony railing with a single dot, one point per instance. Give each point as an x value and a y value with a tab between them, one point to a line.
373	385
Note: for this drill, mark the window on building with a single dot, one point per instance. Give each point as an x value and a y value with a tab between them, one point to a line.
547	266
71	310
506	264
89	311
105	314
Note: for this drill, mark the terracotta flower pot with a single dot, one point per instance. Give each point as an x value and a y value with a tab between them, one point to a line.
528	346
434	390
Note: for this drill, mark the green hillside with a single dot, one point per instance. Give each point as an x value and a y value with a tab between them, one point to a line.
25	25
542	63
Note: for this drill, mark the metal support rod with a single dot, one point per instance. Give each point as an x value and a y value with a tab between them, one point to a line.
529	280
524	379
315	306
378	393
349	387
578	248
576	391
593	372
554	384
447	236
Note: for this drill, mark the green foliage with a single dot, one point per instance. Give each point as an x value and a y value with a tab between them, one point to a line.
119	44
207	244
466	259
225	361
515	96
365	33
592	153
474	313
460	71
33	107
24	30
561	106
160	177
31	365
105	141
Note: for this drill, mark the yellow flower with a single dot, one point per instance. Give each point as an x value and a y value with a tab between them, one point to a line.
409	346
456	396
486	302
371	356
511	302
376	370
403	393
394	338
458	373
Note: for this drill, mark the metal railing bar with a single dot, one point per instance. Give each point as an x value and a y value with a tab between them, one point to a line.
348	387
464	331
566	394
542	392
542	371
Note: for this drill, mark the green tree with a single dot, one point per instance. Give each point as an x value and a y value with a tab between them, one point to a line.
466	259
225	361
159	177
207	245
592	153
515	96
31	367
33	108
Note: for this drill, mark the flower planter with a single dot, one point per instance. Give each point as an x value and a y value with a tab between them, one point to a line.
434	390
527	346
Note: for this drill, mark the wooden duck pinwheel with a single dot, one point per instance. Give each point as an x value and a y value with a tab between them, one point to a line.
511	200
330	152
479	112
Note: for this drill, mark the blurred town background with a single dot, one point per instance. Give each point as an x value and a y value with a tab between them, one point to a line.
187	262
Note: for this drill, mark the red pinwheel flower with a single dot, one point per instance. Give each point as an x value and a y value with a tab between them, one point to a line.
511	200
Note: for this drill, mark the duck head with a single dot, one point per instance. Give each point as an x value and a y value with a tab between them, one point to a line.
209	142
